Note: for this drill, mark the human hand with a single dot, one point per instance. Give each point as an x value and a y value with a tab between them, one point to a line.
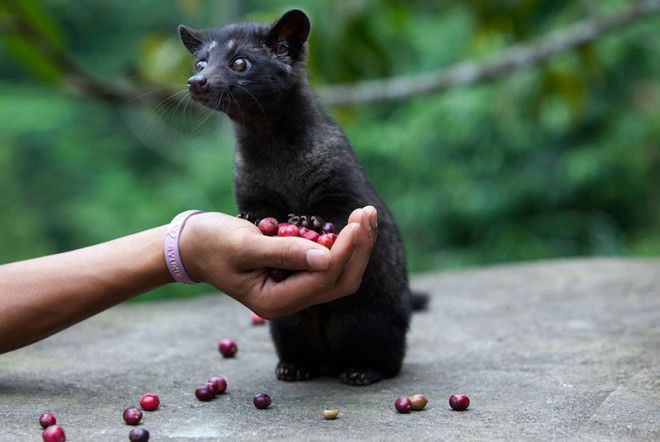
234	256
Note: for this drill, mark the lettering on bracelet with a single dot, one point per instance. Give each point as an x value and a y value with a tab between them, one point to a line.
174	268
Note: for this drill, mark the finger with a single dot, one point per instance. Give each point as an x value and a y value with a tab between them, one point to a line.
350	278
285	253
304	289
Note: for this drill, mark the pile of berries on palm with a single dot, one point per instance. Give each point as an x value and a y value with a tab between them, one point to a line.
312	228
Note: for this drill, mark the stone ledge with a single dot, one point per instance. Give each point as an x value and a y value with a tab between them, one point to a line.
559	349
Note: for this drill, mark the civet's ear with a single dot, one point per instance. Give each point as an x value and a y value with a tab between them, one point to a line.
190	38
289	33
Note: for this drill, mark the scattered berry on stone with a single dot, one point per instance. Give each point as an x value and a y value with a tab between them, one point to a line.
220	383
262	401
204	394
418	401
46	420
459	402
212	387
149	402
138	435
268	226
402	404
288	230
256	319
132	416
278	275
327	239
316	222
330	414
228	348
328	228
53	433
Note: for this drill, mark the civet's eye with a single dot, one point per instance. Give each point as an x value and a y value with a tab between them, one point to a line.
199	67
240	65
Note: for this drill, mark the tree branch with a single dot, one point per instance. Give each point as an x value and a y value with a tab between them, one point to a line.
517	57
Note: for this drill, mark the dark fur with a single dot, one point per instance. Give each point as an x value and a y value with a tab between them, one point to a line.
292	158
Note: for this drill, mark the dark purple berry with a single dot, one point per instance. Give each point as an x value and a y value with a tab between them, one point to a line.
53	433
328	228
278	275
262	401
459	402
212	387
149	402
316	222
138	435
220	383
204	394
46	420
228	348
132	416
268	226
402	404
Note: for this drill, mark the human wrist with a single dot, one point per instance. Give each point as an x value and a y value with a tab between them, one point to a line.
171	247
195	244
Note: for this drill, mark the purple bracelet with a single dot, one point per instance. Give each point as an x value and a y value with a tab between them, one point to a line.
171	247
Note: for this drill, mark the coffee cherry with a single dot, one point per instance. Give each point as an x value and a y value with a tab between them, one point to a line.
228	348
149	402
268	226
459	402
316	222
46	420
262	401
220	384
288	230
132	416
204	394
256	319
53	433
138	435
402	404
327	239
418	401
278	275
328	228
212	387
311	235
330	414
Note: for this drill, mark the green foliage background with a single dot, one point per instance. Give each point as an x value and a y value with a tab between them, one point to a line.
553	161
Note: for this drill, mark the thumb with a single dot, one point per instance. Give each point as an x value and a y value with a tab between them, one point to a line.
287	253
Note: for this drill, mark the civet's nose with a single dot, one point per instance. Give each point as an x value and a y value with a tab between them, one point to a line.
198	84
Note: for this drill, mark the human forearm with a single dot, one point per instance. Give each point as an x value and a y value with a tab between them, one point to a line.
41	296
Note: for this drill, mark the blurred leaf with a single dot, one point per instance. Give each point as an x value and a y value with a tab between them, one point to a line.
24	51
37	18
164	60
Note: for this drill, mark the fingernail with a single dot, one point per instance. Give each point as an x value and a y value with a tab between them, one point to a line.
318	259
372	216
364	218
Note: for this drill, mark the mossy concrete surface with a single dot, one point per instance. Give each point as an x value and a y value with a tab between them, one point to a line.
565	350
